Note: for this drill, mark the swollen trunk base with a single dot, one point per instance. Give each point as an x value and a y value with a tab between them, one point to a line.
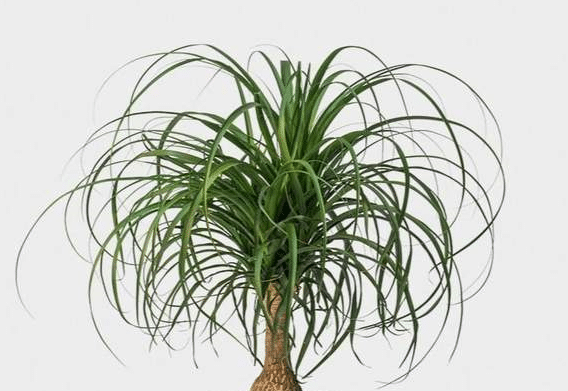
276	377
276	374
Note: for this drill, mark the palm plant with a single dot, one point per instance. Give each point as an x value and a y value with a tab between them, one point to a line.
278	214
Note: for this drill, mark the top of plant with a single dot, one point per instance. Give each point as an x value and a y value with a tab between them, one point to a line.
359	225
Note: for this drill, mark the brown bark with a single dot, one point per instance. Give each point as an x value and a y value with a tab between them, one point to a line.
276	374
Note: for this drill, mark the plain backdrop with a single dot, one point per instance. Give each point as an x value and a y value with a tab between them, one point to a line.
55	54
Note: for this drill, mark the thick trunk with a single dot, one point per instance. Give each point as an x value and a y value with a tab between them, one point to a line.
276	374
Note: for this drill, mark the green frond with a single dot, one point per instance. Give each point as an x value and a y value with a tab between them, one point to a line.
200	211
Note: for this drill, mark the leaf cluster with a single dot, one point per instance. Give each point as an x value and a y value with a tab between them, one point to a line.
197	226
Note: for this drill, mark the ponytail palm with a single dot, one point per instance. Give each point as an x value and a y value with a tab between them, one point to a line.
273	214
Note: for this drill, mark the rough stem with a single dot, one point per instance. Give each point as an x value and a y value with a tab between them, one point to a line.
276	374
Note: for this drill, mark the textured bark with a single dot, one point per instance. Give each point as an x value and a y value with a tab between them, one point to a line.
276	374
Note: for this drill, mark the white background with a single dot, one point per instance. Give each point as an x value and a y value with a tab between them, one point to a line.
55	54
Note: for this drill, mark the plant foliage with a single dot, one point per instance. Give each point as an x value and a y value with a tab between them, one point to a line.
204	209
